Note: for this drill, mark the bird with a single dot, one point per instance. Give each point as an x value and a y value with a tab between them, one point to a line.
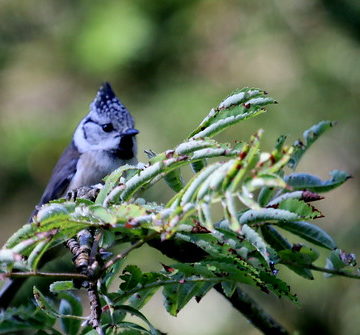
103	141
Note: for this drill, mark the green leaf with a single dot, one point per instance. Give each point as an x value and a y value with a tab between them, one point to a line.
174	180
125	212
197	166
24	232
139	299
24	318
242	104
59	286
303	272
255	239
54	211
309	182
178	295
132	311
310	136
310	232
304	256
274	238
44	304
110	274
277	286
262	180
300	208
131	276
267	214
265	195
107	239
70	305
306	196
229	288
103	214
111	181
36	254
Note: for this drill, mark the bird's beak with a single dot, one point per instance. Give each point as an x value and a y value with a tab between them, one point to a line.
130	132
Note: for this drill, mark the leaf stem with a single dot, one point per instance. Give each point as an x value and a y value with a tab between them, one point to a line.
333	271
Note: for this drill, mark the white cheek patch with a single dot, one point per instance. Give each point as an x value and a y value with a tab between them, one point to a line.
95	138
79	139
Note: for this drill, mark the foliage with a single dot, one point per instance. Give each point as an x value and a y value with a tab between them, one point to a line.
241	244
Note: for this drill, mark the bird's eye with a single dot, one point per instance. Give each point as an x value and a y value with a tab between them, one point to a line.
107	127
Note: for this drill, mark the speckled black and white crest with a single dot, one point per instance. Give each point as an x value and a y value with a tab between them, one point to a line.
107	105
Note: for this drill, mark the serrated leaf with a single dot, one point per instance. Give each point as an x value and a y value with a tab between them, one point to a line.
178	295
131	276
310	232
310	136
127	211
54	211
277	286
138	300
239	106
300	208
306	196
309	182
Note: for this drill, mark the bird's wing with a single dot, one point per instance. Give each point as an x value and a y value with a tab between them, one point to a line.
62	175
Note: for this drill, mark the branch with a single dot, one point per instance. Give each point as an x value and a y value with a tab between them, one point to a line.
251	310
95	308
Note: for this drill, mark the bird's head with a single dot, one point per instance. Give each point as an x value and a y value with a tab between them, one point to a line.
109	126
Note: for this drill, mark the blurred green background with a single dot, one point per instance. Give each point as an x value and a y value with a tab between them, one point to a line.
170	62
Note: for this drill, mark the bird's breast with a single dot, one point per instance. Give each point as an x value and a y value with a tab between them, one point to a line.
93	166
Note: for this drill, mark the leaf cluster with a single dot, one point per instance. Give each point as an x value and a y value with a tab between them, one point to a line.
232	213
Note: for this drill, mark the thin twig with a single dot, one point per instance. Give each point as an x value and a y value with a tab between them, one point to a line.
333	271
123	254
44	274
